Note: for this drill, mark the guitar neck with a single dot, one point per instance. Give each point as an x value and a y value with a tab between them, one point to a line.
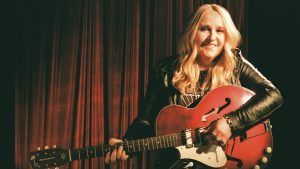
152	143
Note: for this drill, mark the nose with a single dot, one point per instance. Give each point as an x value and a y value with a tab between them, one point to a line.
212	36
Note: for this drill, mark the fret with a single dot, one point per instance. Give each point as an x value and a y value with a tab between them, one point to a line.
95	151
91	152
143	144
147	144
176	139
78	154
163	141
139	145
128	147
158	143
170	140
133	146
173	141
151	140
105	149
70	157
109	148
83	153
87	153
102	150
179	140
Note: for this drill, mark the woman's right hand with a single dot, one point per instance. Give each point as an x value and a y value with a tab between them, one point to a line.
119	154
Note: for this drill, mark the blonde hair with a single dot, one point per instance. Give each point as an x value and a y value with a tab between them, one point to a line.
220	73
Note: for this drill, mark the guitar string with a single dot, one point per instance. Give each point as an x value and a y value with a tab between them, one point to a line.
132	142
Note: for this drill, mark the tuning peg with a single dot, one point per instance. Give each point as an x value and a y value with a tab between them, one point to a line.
54	146
46	147
39	148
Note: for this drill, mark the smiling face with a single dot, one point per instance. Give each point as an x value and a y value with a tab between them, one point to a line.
209	38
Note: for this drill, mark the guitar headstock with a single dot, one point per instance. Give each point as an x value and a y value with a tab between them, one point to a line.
48	158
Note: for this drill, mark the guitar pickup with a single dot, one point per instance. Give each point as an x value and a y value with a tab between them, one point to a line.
188	138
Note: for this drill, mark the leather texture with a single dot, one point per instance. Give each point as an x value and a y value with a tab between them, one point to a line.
161	93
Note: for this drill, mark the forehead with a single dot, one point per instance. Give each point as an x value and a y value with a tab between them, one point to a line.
211	17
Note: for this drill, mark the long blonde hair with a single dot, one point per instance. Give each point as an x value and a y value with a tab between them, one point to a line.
220	73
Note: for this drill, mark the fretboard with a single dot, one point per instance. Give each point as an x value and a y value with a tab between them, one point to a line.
152	143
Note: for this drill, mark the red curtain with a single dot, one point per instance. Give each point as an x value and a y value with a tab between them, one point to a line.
82	68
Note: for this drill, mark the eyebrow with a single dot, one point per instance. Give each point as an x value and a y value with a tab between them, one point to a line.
206	25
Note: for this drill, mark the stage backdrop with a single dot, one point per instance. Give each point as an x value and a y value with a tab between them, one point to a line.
82	68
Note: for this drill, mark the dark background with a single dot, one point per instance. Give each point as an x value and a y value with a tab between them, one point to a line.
273	42
273	45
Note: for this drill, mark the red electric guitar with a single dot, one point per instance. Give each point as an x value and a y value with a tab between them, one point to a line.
252	149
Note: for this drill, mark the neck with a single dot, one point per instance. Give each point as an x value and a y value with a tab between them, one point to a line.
204	65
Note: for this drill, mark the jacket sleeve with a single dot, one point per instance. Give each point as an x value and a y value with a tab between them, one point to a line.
267	98
143	125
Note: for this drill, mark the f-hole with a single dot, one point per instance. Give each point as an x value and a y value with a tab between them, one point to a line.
216	110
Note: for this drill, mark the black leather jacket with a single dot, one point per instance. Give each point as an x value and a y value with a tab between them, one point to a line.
161	93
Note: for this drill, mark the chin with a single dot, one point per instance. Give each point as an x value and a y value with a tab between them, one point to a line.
211	55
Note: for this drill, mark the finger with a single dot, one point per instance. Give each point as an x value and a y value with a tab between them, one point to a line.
113	141
113	156
119	154
220	142
124	156
107	158
209	129
215	139
211	137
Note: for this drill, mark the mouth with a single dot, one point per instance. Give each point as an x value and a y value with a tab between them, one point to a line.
209	45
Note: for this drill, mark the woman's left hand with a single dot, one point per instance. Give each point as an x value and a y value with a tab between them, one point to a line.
218	132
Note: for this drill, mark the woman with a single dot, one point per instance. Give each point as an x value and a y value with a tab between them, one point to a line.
207	58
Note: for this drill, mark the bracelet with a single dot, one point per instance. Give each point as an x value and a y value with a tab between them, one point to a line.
229	122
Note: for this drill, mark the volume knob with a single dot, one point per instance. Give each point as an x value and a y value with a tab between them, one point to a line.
268	150
256	167
264	160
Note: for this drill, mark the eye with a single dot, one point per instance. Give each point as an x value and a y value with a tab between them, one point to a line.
204	28
220	30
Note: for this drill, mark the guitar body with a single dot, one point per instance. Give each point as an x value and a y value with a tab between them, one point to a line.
246	152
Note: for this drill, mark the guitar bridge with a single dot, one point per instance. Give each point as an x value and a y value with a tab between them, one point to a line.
188	138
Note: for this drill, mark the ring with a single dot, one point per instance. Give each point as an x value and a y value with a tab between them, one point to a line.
221	142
